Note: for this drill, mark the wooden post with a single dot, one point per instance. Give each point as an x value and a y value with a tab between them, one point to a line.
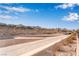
77	37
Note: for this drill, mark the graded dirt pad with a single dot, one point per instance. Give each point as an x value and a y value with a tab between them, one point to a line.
65	48
30	38
39	35
9	42
31	48
23	39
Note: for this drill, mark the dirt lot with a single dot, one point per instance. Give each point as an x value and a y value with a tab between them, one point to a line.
24	39
66	48
9	42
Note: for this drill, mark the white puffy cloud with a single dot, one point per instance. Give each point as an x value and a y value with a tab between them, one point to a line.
67	5
7	11
71	17
16	9
7	17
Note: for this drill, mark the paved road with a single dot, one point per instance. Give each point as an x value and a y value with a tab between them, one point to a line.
31	48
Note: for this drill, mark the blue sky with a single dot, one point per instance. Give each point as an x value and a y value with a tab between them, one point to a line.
47	15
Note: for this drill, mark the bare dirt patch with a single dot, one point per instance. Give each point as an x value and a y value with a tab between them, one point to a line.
9	42
65	48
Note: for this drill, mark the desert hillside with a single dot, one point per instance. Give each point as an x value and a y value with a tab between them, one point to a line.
21	30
